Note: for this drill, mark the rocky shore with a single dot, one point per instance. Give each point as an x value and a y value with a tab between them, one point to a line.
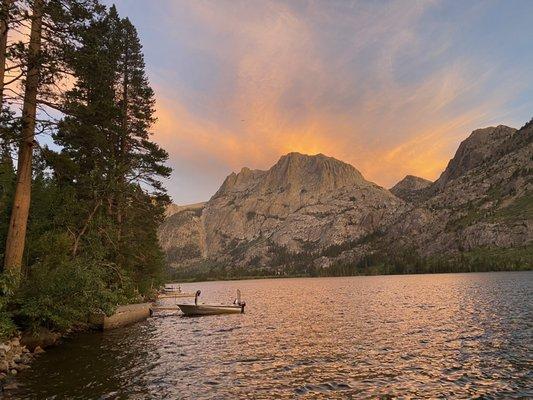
14	357
17	353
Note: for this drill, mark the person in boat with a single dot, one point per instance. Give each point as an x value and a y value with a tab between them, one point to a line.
198	292
238	300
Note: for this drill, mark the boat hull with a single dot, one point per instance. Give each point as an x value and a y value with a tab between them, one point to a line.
174	295
204	309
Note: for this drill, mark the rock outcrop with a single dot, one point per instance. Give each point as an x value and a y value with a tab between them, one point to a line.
302	203
309	205
484	198
14	357
479	147
174	208
410	187
181	235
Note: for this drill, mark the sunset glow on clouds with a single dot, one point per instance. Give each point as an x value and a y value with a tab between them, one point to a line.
391	87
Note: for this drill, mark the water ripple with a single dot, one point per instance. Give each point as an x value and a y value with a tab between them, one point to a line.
433	336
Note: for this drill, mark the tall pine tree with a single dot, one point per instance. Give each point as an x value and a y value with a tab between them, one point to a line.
107	152
54	24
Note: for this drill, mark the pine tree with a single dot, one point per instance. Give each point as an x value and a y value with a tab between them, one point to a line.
53	26
107	154
96	204
140	160
5	14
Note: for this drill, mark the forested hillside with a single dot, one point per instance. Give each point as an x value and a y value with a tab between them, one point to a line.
80	191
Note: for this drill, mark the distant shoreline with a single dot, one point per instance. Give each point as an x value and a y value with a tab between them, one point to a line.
259	277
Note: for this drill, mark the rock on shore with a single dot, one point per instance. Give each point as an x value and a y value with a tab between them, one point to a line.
14	357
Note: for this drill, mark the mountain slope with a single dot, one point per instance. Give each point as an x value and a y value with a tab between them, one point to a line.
182	234
480	201
409	187
474	151
319	211
303	202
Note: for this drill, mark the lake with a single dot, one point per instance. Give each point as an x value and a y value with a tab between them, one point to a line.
449	335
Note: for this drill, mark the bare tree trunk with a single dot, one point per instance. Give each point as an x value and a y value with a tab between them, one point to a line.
4	26
16	236
84	228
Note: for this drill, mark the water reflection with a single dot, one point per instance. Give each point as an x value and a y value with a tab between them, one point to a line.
457	335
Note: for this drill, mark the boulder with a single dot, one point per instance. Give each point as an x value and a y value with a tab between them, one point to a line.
4	366
41	338
11	386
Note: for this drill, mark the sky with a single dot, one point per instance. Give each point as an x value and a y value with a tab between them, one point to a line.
391	87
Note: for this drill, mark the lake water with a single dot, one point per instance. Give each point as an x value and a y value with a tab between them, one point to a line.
423	336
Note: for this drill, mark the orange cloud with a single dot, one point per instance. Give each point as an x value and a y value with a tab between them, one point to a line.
293	88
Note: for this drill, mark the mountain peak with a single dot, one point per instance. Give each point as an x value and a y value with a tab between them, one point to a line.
409	186
312	172
411	182
236	182
474	151
298	171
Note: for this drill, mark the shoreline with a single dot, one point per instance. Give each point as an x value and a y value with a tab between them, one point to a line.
260	277
18	352
14	358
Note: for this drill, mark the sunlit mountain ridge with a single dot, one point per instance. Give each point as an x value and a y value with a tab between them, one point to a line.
314	210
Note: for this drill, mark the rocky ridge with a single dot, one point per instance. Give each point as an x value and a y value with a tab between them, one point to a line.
301	202
478	148
310	204
408	188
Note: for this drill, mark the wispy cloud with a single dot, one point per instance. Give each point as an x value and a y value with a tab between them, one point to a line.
386	86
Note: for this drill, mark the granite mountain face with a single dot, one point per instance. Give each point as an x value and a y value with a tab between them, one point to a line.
410	187
301	203
309	205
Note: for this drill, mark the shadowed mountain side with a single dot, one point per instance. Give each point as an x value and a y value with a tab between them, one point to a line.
408	188
479	147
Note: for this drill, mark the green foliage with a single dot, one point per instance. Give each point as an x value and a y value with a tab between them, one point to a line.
8	284
188	251
57	297
7	326
520	208
207	270
7	185
97	201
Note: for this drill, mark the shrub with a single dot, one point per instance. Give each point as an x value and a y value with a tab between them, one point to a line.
58	297
7	285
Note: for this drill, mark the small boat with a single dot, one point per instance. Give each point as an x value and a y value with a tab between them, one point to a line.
205	309
172	288
211	309
173	291
174	295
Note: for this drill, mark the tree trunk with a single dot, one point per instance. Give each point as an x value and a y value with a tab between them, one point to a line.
21	203
4	26
84	228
